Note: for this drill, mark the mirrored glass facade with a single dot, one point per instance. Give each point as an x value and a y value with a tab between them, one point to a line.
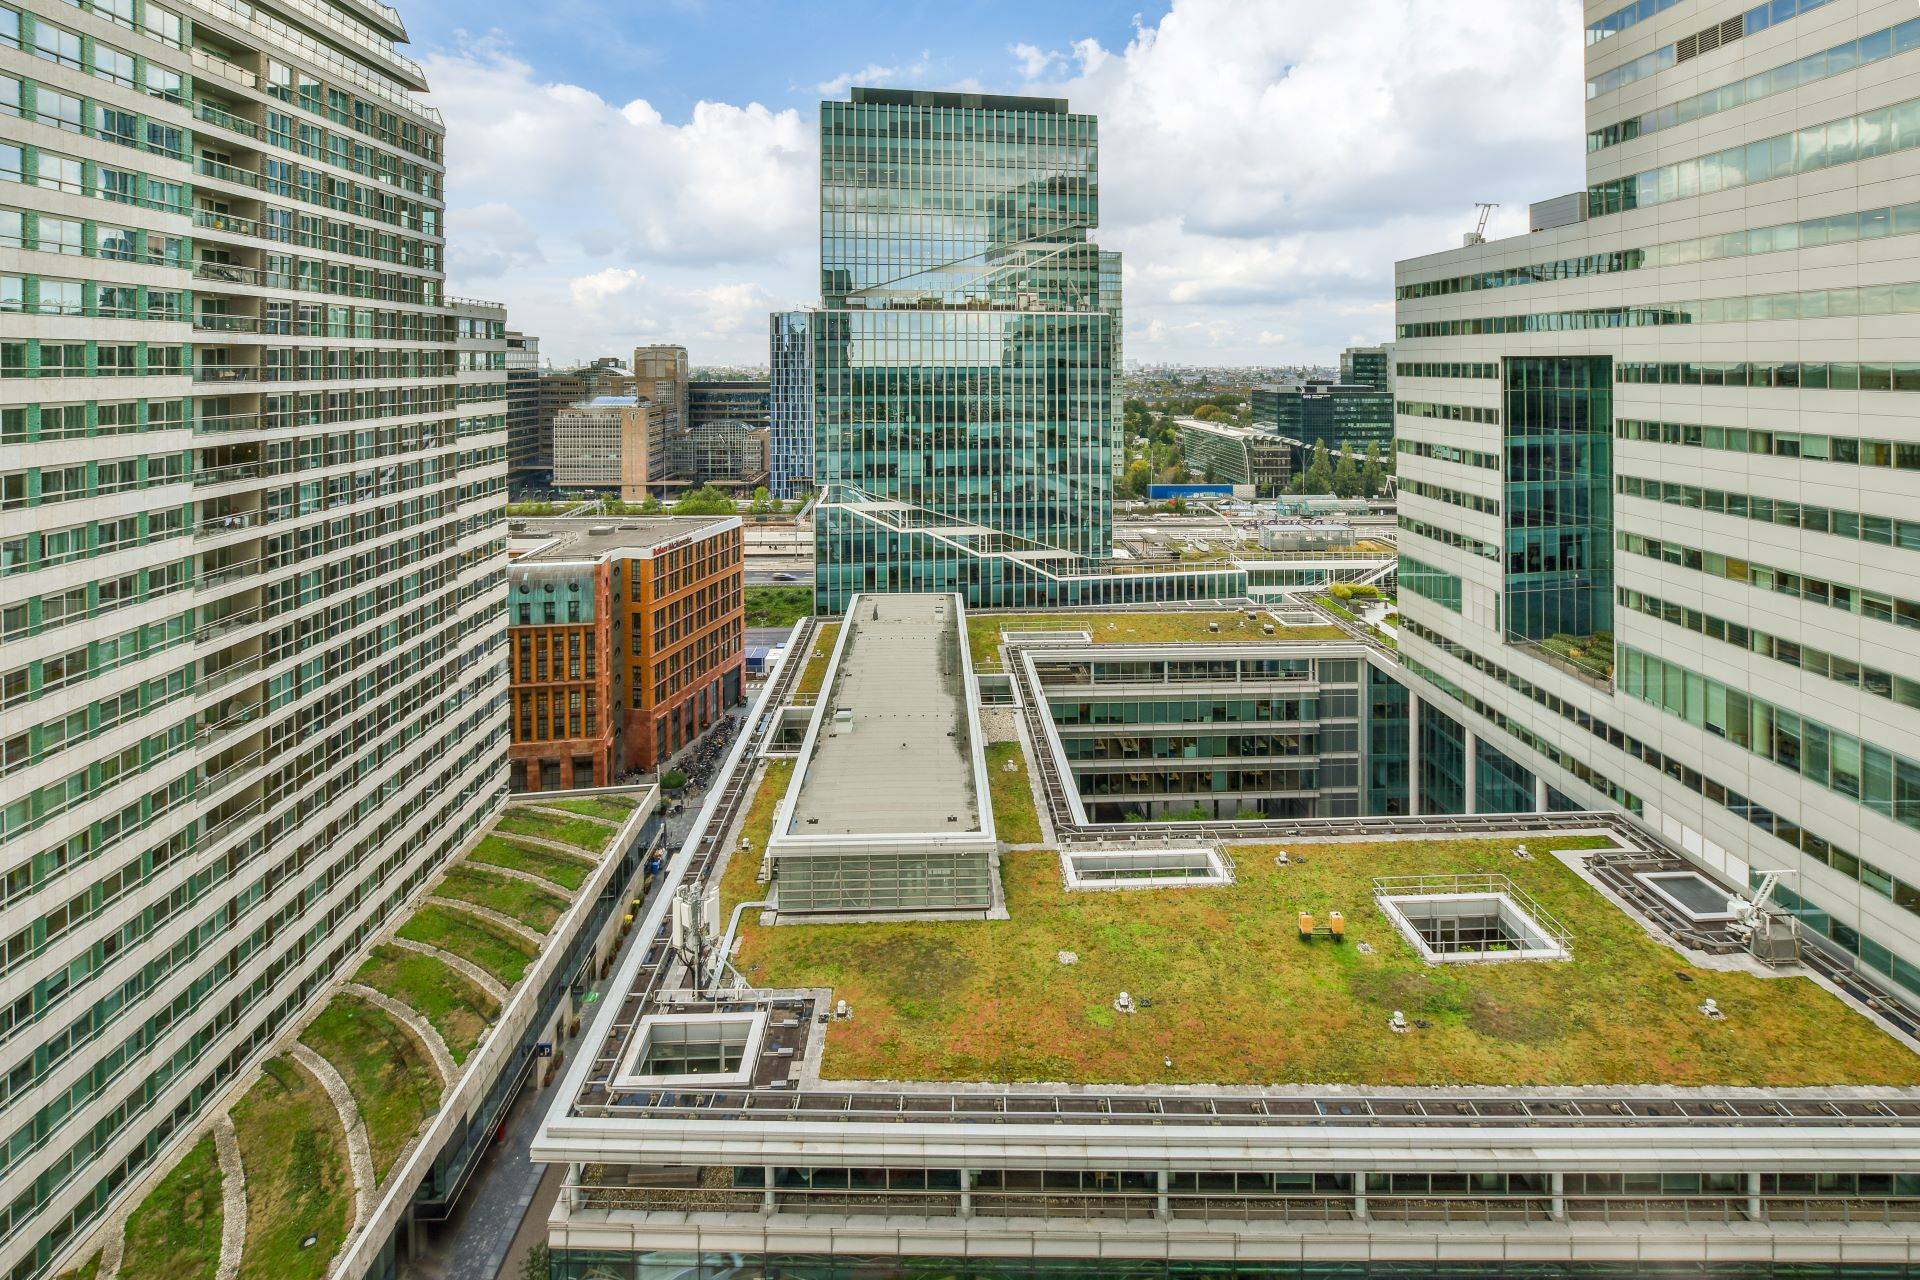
1559	511
790	402
963	355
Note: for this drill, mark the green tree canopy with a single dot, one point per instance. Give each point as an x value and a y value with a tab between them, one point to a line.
707	500
1373	475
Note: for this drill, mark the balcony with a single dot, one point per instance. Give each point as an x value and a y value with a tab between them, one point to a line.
225	119
364	78
233	522
215	65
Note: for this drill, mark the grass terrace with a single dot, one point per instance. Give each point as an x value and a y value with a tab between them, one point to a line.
814	674
582	833
531	905
298	1178
456	1008
568	870
1015	818
500	953
615	809
385	1066
175	1232
739	881
293	1144
983	630
1236	998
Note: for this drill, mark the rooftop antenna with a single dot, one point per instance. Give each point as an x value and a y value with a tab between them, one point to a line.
695	926
1479	233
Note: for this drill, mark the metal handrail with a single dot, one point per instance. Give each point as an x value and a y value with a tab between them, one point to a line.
1250	1206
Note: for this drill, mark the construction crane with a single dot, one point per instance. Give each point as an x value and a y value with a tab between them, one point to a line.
1479	233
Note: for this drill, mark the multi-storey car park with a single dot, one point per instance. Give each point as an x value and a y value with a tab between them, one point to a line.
1236	1043
1658	458
251	559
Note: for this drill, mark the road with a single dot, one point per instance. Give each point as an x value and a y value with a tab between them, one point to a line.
504	1211
767	572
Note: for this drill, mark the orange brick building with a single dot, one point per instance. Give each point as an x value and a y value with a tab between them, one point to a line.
627	643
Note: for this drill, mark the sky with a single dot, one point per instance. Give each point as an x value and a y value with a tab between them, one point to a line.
635	171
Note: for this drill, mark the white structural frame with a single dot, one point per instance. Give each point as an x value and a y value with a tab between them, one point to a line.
1077	861
784	841
1494	902
1654	881
631	1077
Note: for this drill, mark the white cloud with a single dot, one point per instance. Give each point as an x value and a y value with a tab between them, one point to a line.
1263	163
488	240
1034	61
624	307
555	192
875	74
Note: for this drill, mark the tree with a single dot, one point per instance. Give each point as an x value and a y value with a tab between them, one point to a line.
707	500
1139	476
1206	413
1373	476
1319	477
1346	473
762	501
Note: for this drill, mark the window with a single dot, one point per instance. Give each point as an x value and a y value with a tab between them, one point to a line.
9	96
58	110
56	44
110	63
119	184
121	300
63	359
166	139
165	304
62	173
62	298
122	127
9	27
11	233
162	25
58	235
163	83
11	162
116	243
13	293
119	12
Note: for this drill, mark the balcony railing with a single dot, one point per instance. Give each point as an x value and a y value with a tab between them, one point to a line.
221	67
228	273
225	119
234	224
362	77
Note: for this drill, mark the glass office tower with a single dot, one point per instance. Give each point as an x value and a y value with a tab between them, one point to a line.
964	352
1658	464
252	558
790	402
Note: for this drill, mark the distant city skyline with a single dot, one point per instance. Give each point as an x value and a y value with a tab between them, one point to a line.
1264	163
